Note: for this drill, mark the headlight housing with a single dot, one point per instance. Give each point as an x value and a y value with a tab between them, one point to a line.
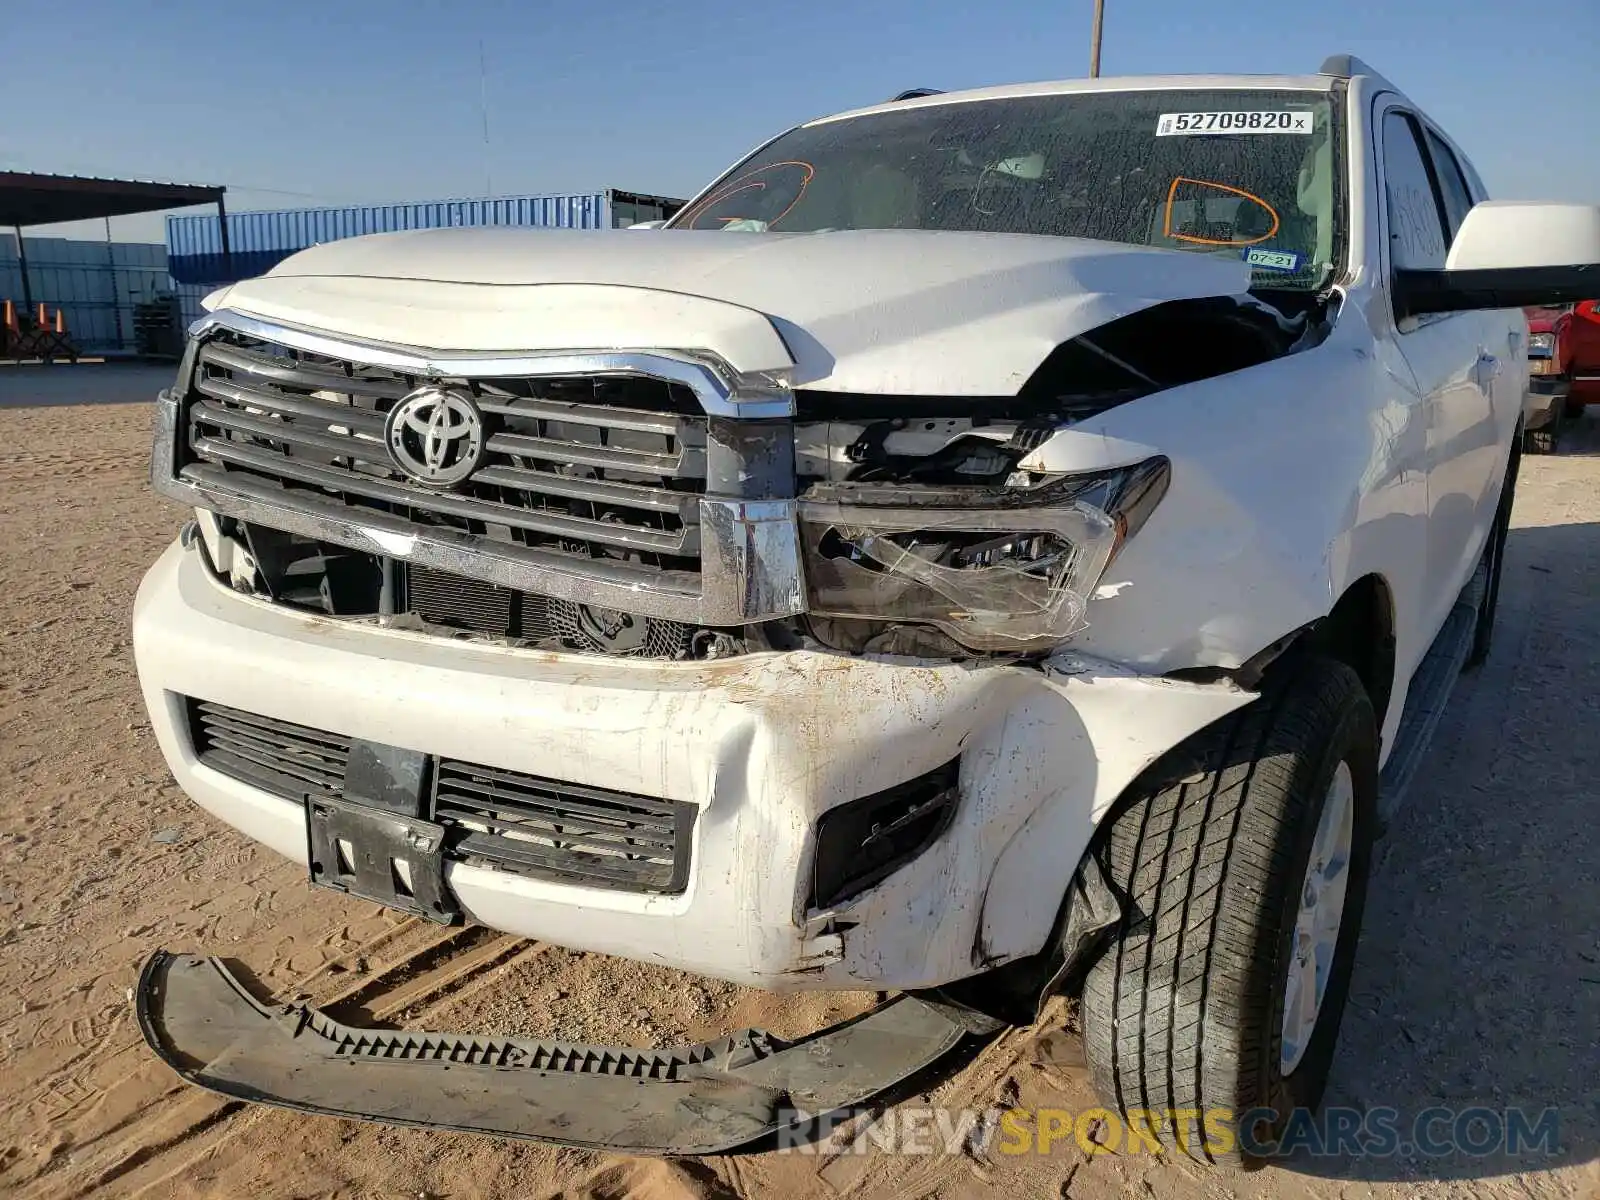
1541	343
1007	570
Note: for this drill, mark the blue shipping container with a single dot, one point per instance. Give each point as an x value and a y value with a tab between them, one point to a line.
258	241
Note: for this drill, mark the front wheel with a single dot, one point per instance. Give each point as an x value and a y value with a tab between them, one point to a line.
1242	862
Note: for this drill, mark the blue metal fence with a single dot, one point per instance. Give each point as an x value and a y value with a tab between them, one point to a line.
258	241
96	284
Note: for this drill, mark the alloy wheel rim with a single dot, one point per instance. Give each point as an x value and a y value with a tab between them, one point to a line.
1317	919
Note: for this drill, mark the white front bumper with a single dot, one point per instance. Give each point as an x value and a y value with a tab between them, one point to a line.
761	744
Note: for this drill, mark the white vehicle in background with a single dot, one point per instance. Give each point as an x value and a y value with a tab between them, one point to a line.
989	544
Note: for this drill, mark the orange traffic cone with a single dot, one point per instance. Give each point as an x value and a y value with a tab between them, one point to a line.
11	317
61	322
42	322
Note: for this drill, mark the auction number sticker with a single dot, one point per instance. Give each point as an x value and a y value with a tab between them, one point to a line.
1176	124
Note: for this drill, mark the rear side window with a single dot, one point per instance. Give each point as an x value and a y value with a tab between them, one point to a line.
1452	183
1415	229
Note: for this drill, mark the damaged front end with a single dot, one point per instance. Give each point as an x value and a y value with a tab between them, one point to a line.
725	598
930	533
632	507
611	519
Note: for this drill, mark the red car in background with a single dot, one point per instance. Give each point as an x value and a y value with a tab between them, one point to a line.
1563	369
1584	359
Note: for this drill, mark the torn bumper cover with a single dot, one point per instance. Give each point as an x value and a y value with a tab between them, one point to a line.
759	750
701	1099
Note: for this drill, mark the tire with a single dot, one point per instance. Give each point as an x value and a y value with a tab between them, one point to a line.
1184	1009
1543	440
1573	409
1495	554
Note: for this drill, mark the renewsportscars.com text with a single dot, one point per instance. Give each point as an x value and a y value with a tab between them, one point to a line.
1331	1132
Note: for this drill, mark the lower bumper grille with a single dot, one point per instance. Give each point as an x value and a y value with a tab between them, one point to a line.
275	756
561	830
520	823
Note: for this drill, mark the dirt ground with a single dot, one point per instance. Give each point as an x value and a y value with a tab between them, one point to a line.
1478	981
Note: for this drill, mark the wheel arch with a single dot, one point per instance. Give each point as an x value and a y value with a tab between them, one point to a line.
1359	631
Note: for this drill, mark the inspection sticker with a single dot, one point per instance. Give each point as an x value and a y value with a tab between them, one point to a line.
1273	260
1177	124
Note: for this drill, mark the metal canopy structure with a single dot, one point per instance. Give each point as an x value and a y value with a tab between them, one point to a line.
28	199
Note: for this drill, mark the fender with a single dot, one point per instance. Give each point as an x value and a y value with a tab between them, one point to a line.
1278	503
1127	721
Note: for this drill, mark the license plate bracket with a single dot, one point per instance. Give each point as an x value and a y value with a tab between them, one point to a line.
393	860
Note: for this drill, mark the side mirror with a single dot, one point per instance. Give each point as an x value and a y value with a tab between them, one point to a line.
1510	254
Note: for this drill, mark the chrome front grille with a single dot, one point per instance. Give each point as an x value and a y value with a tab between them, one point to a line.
657	483
569	469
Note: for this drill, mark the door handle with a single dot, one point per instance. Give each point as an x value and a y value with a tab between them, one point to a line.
1485	371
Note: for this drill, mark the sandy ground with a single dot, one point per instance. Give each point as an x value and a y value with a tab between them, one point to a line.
1478	981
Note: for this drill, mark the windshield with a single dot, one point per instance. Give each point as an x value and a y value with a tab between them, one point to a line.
1247	174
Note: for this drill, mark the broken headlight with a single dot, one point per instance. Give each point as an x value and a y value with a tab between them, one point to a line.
997	569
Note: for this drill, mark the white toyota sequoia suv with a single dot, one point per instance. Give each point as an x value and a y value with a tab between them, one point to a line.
986	545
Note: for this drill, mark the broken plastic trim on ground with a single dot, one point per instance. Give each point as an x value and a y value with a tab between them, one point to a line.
704	1099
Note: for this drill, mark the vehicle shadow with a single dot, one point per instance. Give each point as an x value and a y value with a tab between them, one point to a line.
1477	983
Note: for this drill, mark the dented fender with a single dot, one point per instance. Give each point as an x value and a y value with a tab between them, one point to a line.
1060	744
1122	722
1286	489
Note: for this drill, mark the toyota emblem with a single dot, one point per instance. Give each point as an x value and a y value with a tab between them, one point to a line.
435	435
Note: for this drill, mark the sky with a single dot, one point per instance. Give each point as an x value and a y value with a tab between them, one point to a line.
299	103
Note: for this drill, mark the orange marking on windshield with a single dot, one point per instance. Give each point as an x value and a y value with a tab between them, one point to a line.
1172	195
753	186
748	182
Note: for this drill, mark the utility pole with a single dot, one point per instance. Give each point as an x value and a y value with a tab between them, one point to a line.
483	107
1094	45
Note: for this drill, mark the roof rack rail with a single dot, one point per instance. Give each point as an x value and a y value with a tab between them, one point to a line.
916	94
1345	65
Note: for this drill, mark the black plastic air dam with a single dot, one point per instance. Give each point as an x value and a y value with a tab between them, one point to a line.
702	1099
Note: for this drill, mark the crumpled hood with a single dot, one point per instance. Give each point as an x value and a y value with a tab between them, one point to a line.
900	312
